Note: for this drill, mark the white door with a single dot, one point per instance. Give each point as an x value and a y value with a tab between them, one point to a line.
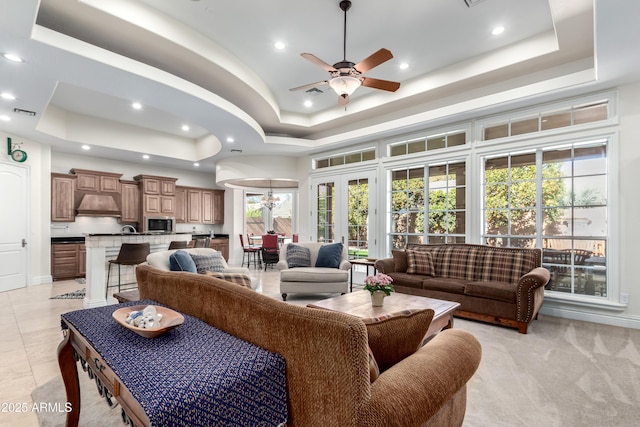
344	210
13	227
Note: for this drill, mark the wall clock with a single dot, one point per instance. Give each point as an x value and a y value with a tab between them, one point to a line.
19	155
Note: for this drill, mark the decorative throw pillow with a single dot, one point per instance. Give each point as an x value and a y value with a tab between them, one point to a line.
395	336
399	261
420	263
237	278
298	256
213	262
182	261
329	255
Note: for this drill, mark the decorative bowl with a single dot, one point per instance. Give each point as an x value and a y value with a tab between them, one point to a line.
170	319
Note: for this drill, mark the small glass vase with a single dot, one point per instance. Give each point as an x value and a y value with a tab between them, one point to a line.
377	298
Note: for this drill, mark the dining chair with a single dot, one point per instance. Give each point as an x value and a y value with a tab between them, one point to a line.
248	252
270	250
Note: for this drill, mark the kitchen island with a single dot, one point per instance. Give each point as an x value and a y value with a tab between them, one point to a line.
104	247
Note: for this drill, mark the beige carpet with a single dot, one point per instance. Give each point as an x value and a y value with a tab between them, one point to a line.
562	373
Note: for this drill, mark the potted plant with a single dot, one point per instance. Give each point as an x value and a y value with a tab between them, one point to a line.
379	286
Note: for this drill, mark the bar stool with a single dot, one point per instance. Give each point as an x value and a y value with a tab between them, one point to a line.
178	244
248	252
130	254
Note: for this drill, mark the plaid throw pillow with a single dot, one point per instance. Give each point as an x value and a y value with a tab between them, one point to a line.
420	263
237	278
298	256
213	262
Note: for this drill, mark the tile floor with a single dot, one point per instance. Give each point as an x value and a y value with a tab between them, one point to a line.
30	324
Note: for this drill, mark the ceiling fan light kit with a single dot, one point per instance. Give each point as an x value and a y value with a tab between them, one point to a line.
347	76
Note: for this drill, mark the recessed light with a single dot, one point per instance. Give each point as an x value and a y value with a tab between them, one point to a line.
86	147
308	103
196	164
404	66
279	45
185	128
12	57
230	139
145	156
497	30
5	118
6	95
136	105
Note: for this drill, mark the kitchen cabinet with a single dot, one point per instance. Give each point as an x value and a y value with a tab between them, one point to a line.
181	205
222	246
194	206
199	205
88	180
218	207
158	196
68	260
130	201
62	197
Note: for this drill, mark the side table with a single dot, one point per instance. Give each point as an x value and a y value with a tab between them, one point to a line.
368	262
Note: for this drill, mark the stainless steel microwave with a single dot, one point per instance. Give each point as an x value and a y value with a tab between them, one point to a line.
160	224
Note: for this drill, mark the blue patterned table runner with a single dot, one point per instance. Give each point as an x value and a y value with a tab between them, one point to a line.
193	375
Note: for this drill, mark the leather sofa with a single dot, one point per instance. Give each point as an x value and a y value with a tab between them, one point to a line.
313	279
492	284
327	356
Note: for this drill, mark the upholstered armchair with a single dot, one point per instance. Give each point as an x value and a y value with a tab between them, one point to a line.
311	267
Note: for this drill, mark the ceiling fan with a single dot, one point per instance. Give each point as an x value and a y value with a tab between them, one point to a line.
346	76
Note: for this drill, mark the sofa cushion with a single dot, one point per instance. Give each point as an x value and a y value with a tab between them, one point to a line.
394	336
314	274
420	263
213	262
182	261
406	279
298	256
499	291
329	255
442	284
399	260
506	265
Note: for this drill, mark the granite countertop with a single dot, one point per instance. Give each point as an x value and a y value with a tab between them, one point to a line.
68	239
133	234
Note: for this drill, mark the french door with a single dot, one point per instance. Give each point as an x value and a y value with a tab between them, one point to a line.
344	210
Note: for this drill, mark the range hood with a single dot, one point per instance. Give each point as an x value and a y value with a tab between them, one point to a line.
98	205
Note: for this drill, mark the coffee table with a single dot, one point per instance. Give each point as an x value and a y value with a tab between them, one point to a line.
359	304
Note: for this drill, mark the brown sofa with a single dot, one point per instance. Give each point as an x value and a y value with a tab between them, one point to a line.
326	353
497	285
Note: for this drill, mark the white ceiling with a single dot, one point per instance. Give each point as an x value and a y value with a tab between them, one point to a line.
212	65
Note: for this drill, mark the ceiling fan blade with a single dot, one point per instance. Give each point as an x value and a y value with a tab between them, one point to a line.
310	85
343	100
380	84
319	62
373	60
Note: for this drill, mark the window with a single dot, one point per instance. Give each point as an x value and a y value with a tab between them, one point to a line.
554	198
259	219
436	193
428	143
545	120
345	158
326	209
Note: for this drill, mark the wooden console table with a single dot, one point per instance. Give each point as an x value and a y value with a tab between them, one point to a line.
194	373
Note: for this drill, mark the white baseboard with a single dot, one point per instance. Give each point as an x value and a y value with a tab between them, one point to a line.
40	280
621	320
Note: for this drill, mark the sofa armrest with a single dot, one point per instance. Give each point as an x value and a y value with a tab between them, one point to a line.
528	287
385	265
282	265
344	265
412	391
